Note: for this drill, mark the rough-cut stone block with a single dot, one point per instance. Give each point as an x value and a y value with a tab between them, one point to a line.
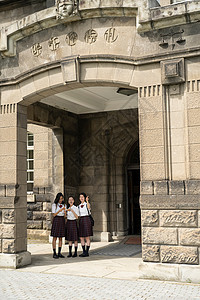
178	218
8	246
29	215
169	201
39	215
190	237
9	216
160	187
34	224
176	187
159	235
47	225
34	207
47	206
44	198
149	217
7	231
0	245
179	255
0	216
146	187
151	253
192	187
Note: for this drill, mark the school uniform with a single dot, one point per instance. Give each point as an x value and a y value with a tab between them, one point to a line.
71	225
85	226
58	225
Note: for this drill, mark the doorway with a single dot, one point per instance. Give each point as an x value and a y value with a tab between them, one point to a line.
133	191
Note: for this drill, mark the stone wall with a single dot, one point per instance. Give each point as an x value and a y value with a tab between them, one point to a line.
105	139
171	221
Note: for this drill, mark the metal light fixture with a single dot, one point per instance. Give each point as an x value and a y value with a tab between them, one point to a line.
127	92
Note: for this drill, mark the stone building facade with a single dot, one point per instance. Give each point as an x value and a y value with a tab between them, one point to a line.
110	91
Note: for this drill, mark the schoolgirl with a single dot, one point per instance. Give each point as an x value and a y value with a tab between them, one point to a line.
85	226
71	227
58	224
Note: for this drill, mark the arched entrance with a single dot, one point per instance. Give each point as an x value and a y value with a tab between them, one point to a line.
133	190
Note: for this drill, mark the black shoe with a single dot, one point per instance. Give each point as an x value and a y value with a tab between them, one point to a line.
55	256
60	255
70	255
74	255
82	255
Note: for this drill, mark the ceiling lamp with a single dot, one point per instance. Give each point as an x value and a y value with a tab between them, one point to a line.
126	92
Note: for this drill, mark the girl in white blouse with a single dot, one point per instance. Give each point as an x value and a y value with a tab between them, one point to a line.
85	226
58	224
71	227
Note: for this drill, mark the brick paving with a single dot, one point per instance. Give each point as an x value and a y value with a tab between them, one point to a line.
17	285
123	250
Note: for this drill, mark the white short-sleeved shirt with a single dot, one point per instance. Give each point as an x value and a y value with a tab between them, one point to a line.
70	215
56	208
83	211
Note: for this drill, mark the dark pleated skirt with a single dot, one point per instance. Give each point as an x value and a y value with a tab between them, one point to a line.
85	227
58	227
71	231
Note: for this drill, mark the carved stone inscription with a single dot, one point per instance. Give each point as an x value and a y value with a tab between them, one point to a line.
54	43
179	255
71	38
36	49
149	217
190	237
180	218
111	35
91	36
153	235
151	253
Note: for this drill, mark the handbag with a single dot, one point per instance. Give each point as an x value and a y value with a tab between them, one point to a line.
90	216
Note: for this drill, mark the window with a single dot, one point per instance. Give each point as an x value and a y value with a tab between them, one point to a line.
30	163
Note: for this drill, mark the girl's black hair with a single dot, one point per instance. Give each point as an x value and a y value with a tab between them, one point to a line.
58	198
84	195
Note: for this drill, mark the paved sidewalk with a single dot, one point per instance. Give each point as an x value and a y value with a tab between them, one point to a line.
15	285
97	277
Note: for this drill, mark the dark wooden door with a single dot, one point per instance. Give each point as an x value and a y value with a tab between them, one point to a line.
133	202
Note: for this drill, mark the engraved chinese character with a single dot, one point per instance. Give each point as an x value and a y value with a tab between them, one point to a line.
91	36
111	35
36	49
72	38
54	43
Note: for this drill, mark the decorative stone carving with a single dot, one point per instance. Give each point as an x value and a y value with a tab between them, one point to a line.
54	43
71	38
91	36
173	71
66	8
9	216
111	35
151	253
153	235
149	217
36	49
178	218
190	237
179	255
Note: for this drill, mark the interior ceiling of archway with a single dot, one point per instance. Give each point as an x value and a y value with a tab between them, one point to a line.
91	100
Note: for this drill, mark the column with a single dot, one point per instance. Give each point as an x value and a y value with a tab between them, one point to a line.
13	200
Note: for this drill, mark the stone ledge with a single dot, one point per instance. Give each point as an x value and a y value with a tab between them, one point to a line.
170	272
170	202
14	261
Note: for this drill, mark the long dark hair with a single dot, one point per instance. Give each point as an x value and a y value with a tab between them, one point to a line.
58	198
84	195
